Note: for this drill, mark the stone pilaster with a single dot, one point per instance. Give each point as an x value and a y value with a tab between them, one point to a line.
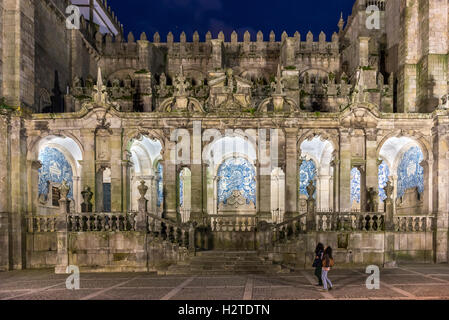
117	194
169	181
372	167
62	258
197	179
345	171
88	162
291	174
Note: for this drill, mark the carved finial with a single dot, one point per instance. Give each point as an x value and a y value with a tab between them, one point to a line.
130	37
279	86
259	36
297	36
341	23
170	37
143	36
247	36
272	36
335	37
309	37
322	37
196	37
208	36
156	38
221	36
234	37
183	37
284	36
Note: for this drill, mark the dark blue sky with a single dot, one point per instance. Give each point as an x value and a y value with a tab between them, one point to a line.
227	15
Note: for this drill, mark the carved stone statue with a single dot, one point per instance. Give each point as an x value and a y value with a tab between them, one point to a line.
311	189
86	206
389	190
371	202
64	190
181	84
142	190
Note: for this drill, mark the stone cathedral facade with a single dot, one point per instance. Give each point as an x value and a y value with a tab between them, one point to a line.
136	154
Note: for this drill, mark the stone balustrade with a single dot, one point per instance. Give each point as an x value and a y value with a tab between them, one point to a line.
350	221
237	223
413	223
95	222
36	224
180	234
287	230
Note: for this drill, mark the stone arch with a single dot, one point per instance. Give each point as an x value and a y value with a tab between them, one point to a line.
145	154
392	150
53	159
322	152
44	100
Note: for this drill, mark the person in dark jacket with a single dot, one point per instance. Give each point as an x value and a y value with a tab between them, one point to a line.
327	264
318	262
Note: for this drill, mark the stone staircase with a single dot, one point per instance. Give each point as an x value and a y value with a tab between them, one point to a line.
223	263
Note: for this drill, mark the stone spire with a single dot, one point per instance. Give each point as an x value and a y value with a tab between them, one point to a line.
341	23
100	95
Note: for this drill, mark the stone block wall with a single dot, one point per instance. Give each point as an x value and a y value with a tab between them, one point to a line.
356	248
41	250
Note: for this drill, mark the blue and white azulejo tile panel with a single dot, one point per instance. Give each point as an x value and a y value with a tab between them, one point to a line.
236	174
160	184
355	185
384	173
307	173
410	172
55	169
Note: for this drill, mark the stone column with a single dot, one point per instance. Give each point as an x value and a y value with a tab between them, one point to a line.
117	190
372	161
33	186
62	258
345	171
335	185
428	186
291	174
169	182
363	201
4	194
88	162
440	168
18	192
197	178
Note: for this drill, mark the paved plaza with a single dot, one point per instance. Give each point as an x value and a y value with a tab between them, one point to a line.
403	283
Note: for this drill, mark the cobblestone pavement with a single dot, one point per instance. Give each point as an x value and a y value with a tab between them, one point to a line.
406	282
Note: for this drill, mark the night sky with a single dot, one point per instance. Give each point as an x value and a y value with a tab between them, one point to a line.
228	15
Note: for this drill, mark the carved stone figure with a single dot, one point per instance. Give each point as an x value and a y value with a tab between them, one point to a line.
86	206
371	200
311	189
389	190
64	190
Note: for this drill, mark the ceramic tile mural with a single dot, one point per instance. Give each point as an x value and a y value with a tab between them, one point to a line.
160	184
236	174
355	185
410	173
307	172
56	169
384	173
181	188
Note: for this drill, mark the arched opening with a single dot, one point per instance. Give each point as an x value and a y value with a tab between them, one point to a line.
404	159
231	176
316	156
184	195
58	162
147	166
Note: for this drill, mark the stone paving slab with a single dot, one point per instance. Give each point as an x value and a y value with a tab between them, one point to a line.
406	282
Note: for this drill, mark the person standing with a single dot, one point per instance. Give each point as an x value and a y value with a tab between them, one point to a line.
318	262
328	263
